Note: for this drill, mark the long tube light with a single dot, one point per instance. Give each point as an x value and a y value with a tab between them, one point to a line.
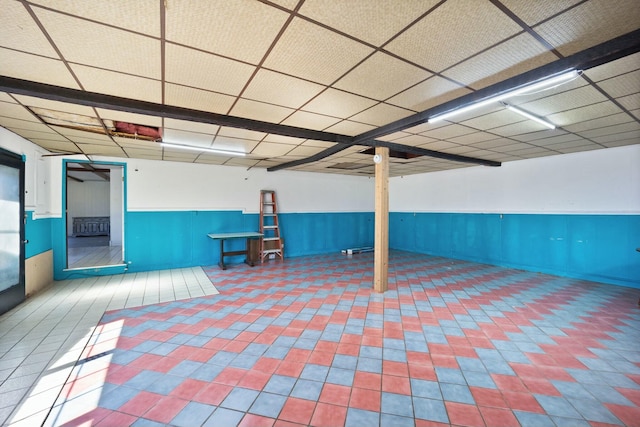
203	149
544	84
530	116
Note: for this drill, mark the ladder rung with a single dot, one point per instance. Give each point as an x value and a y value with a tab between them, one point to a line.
270	227
269	214
270	239
271	251
268	203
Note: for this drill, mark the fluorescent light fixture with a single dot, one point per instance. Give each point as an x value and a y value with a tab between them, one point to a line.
532	88
203	149
530	116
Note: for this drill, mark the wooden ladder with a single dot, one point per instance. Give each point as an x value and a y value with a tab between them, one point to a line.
271	243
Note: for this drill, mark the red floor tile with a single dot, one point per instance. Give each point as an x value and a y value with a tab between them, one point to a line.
498	417
522	402
213	394
188	388
141	403
297	410
166	409
254	380
266	364
398	385
629	415
509	383
230	376
366	399
464	415
251	420
335	394
117	419
422	372
290	369
488	397
326	415
390	367
367	380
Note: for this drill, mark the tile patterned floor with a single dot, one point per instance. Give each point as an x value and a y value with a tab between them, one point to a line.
42	339
307	342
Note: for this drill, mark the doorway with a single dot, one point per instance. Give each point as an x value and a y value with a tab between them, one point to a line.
94	214
12	241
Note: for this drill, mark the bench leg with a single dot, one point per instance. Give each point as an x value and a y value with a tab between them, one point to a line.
221	263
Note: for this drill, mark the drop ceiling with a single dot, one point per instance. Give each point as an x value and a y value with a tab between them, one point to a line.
312	84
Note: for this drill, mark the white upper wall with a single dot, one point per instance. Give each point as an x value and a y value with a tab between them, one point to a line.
154	185
600	181
36	170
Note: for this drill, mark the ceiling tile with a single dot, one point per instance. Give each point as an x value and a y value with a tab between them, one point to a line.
533	12
123	116
599	122
276	88
620	129
35	68
473	138
631	102
584	115
337	103
102	46
307	120
508	59
449	131
350	128
580	97
31	101
56	146
197	99
241	133
622	85
143	154
614	68
453	34
234	144
500	117
142	16
182	137
372	22
232	31
414	140
270	149
19	31
429	93
281	139
191	126
439	145
16	111
537	135
590	23
304	151
381	114
314	53
12	124
522	127
118	84
493	144
260	111
102	150
76	135
381	76
193	68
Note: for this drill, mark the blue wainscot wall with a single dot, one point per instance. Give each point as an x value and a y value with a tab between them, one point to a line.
593	247
176	239
37	232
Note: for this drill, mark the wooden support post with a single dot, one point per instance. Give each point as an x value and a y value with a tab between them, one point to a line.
381	245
